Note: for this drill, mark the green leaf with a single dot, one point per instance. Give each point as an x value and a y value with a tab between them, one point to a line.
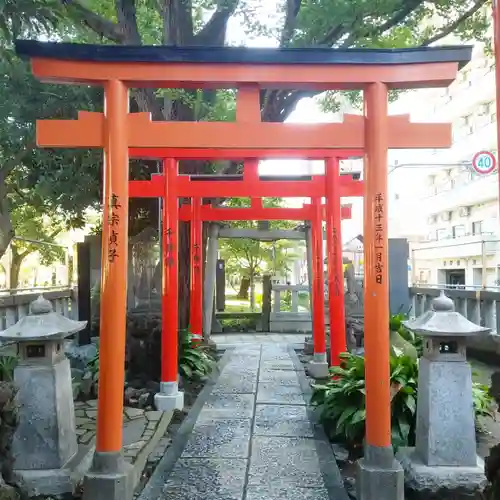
359	416
186	370
411	404
346	414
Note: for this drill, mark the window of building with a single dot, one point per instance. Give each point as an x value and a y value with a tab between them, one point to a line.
443	234
458	231
489	226
477	227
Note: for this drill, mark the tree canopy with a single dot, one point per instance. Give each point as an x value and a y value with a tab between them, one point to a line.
70	180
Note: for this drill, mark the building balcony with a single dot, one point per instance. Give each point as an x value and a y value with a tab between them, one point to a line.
471	245
479	190
466	96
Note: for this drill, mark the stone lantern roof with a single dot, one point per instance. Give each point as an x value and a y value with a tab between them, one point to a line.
443	321
42	323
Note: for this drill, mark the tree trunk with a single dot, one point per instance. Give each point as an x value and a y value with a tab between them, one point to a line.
252	292
6	231
15	271
244	286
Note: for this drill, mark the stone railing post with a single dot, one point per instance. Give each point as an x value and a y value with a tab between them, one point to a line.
295	300
277	301
266	302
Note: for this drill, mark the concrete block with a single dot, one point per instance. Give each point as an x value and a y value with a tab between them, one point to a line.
441	483
236	382
318	369
55	482
228	406
286	421
278	377
110	478
278	365
380	476
219	438
169	398
286	394
206	479
293	460
290	493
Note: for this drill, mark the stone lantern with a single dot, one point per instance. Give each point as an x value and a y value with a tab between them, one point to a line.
45	445
444	459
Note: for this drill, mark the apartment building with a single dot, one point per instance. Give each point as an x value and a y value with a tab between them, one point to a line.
447	211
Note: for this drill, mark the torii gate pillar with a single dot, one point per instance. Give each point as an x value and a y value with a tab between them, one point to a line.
378	469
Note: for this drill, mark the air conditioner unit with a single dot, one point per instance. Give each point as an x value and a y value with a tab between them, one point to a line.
464	211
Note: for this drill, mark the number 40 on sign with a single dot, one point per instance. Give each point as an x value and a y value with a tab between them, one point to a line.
484	162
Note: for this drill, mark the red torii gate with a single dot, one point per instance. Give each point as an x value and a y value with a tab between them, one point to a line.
345	186
119	68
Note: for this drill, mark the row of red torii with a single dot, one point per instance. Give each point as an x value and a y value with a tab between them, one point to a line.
166	186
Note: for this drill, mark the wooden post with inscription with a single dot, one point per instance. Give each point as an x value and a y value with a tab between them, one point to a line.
196	288
334	262
379	454
318	367
170	398
113	311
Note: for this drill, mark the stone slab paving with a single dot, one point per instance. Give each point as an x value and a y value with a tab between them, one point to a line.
139	427
236	339
252	437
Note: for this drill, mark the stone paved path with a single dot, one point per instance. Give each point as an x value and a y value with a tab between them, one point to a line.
252	438
141	429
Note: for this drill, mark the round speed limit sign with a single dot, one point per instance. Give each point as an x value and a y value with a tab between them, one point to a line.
484	162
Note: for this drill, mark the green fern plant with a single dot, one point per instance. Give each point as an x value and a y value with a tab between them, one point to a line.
195	360
341	402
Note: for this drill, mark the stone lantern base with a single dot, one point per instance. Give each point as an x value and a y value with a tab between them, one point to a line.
47	458
423	482
55	482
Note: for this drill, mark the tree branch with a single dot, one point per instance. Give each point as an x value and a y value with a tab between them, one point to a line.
127	20
455	24
292	11
103	27
6	167
214	32
408	7
336	32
